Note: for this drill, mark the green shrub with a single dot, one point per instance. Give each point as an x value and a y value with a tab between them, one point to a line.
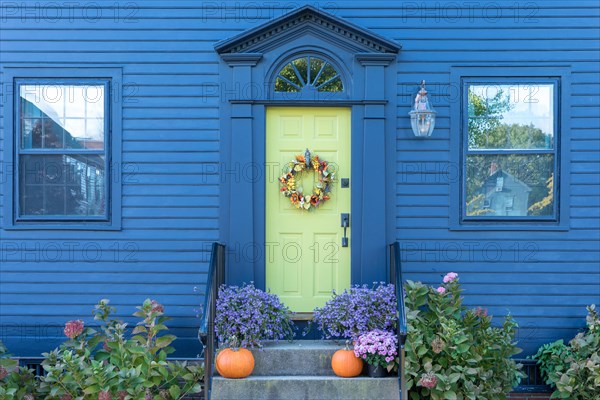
108	364
455	353
15	382
574	370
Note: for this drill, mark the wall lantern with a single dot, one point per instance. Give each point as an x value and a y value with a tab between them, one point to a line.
422	116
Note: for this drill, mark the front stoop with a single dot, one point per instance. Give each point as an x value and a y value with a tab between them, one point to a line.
301	371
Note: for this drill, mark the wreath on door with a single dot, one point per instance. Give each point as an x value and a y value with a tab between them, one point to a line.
321	192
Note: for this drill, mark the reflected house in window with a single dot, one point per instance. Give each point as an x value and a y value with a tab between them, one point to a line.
65	184
501	195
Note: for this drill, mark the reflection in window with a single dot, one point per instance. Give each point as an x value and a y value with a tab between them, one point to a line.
308	72
62	154
511	151
511	116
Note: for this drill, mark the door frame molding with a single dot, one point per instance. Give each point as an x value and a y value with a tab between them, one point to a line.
246	65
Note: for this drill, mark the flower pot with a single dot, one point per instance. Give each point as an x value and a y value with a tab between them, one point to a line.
235	364
345	364
376	371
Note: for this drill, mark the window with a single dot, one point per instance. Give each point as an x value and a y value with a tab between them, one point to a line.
308	73
62	153
510	133
66	149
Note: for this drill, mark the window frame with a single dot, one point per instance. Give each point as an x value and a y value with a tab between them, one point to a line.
462	77
13	78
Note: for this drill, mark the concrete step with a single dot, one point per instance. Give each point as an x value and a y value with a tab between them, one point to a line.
301	357
305	388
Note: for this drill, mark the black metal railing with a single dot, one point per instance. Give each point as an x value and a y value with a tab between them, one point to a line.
206	333
397	280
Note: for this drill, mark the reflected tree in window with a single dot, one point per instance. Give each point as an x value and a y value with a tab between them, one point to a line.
308	73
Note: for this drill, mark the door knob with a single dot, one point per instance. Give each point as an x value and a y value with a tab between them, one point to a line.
345	224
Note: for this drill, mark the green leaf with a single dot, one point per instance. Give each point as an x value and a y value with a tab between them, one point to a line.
454	377
93	389
174	391
164	341
449	395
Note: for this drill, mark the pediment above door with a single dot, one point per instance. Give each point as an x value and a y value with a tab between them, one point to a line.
304	21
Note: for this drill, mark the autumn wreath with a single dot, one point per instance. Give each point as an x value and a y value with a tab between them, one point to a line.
321	191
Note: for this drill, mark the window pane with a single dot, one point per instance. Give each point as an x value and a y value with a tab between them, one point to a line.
62	116
288	73
315	67
301	65
333	86
517	116
62	185
510	185
328	73
283	86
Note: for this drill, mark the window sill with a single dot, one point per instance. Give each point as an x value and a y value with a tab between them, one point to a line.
71	226
528	226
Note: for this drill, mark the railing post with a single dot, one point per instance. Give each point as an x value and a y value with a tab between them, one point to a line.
397	280
216	277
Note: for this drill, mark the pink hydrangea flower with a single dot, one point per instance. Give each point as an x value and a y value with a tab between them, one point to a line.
3	372
428	380
481	312
73	328
104	395
441	290
450	276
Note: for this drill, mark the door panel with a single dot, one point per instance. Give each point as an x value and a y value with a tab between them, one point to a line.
305	260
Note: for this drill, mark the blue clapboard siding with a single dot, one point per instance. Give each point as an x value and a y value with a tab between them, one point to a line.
171	134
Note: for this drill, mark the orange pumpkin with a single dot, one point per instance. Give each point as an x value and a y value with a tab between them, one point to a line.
235	364
346	364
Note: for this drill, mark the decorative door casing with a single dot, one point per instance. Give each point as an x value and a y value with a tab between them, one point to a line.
249	63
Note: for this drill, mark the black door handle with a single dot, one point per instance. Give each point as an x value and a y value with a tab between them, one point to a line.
345	224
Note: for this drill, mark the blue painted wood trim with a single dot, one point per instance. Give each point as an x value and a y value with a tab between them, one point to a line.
114	76
259	187
495	74
299	16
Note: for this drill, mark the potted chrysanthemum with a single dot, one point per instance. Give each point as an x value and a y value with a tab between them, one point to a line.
379	349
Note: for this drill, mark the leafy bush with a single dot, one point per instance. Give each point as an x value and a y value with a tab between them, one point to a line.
549	357
455	353
246	316
356	311
106	364
574	370
15	382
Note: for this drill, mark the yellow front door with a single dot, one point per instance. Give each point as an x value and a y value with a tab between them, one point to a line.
305	259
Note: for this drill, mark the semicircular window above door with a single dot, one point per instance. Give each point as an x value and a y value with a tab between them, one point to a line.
309	72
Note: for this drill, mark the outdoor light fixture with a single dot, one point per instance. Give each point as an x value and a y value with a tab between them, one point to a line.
422	116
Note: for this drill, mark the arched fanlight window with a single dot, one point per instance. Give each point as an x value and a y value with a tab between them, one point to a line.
308	72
